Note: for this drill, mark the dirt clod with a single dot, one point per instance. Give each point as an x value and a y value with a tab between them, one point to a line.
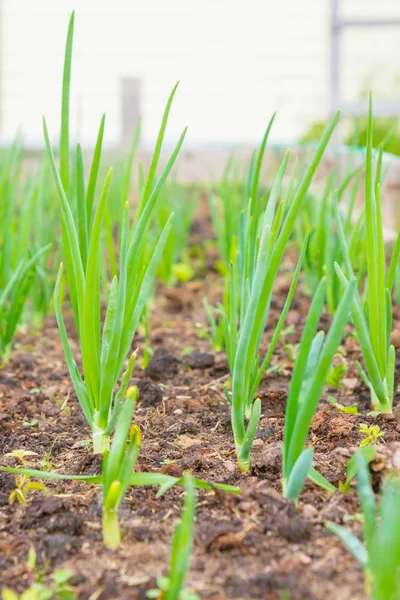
295	530
199	360
162	365
149	393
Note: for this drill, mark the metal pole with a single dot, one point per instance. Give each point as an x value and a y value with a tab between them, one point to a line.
335	56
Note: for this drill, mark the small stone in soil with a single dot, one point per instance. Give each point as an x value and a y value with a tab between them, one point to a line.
395	338
309	512
199	360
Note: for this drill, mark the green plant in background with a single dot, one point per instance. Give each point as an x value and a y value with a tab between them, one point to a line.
372	316
104	355
236	209
117	472
22	250
312	366
13	297
315	218
171	587
385	133
215	334
175	264
314	132
262	253
380	554
226	203
368	453
237	212
38	216
56	588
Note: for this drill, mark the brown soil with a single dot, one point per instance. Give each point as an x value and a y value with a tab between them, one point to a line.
255	545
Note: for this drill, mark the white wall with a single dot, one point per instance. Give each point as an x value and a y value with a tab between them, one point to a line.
238	61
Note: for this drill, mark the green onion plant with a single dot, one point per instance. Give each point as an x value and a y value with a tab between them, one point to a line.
311	368
261	253
379	555
171	587
104	346
372	314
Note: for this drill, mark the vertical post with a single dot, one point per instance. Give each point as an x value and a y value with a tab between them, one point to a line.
335	56
130	109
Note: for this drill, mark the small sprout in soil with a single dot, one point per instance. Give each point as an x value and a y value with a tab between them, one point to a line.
171	587
372	434
379	555
21	455
56	588
63	404
23	486
290	349
349	410
46	462
214	333
30	423
182	272
336	374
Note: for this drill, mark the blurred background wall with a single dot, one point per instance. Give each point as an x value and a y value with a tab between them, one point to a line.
237	61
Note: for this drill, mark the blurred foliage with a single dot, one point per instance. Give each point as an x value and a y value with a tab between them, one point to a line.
314	132
386	131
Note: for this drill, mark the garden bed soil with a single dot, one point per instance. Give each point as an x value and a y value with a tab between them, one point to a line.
254	545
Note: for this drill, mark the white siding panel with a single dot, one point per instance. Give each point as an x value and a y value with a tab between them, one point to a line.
237	61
